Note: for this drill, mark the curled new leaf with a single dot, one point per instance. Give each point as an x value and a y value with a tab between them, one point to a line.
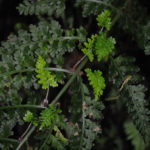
96	81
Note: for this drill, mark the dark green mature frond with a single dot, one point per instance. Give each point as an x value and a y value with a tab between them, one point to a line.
146	32
42	7
46	39
137	107
92	115
132	92
93	7
134	136
88	127
57	143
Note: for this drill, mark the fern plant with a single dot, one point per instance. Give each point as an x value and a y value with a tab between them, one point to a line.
69	115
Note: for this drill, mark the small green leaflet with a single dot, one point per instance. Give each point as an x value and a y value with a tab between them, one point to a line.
89	46
104	20
45	77
97	82
104	46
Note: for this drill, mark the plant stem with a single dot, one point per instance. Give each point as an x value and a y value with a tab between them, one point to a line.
26	137
54	101
9	140
103	3
22	106
33	69
25	131
69	82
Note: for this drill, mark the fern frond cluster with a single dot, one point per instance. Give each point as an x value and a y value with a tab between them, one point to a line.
99	44
74	117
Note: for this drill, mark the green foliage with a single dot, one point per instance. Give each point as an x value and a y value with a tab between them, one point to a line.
134	136
42	7
28	116
97	82
103	46
93	7
88	128
45	76
104	20
146	31
57	143
137	106
49	117
61	29
120	69
99	44
89	46
92	114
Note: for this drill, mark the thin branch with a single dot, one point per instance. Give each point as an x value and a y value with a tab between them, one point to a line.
69	82
78	62
102	2
22	106
68	38
9	140
26	137
33	69
25	131
46	97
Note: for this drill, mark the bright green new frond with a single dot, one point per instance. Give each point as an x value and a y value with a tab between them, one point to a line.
96	81
134	136
46	79
104	46
104	20
89	45
49	116
28	116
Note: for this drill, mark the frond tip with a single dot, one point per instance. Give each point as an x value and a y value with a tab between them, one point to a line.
104	20
96	81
